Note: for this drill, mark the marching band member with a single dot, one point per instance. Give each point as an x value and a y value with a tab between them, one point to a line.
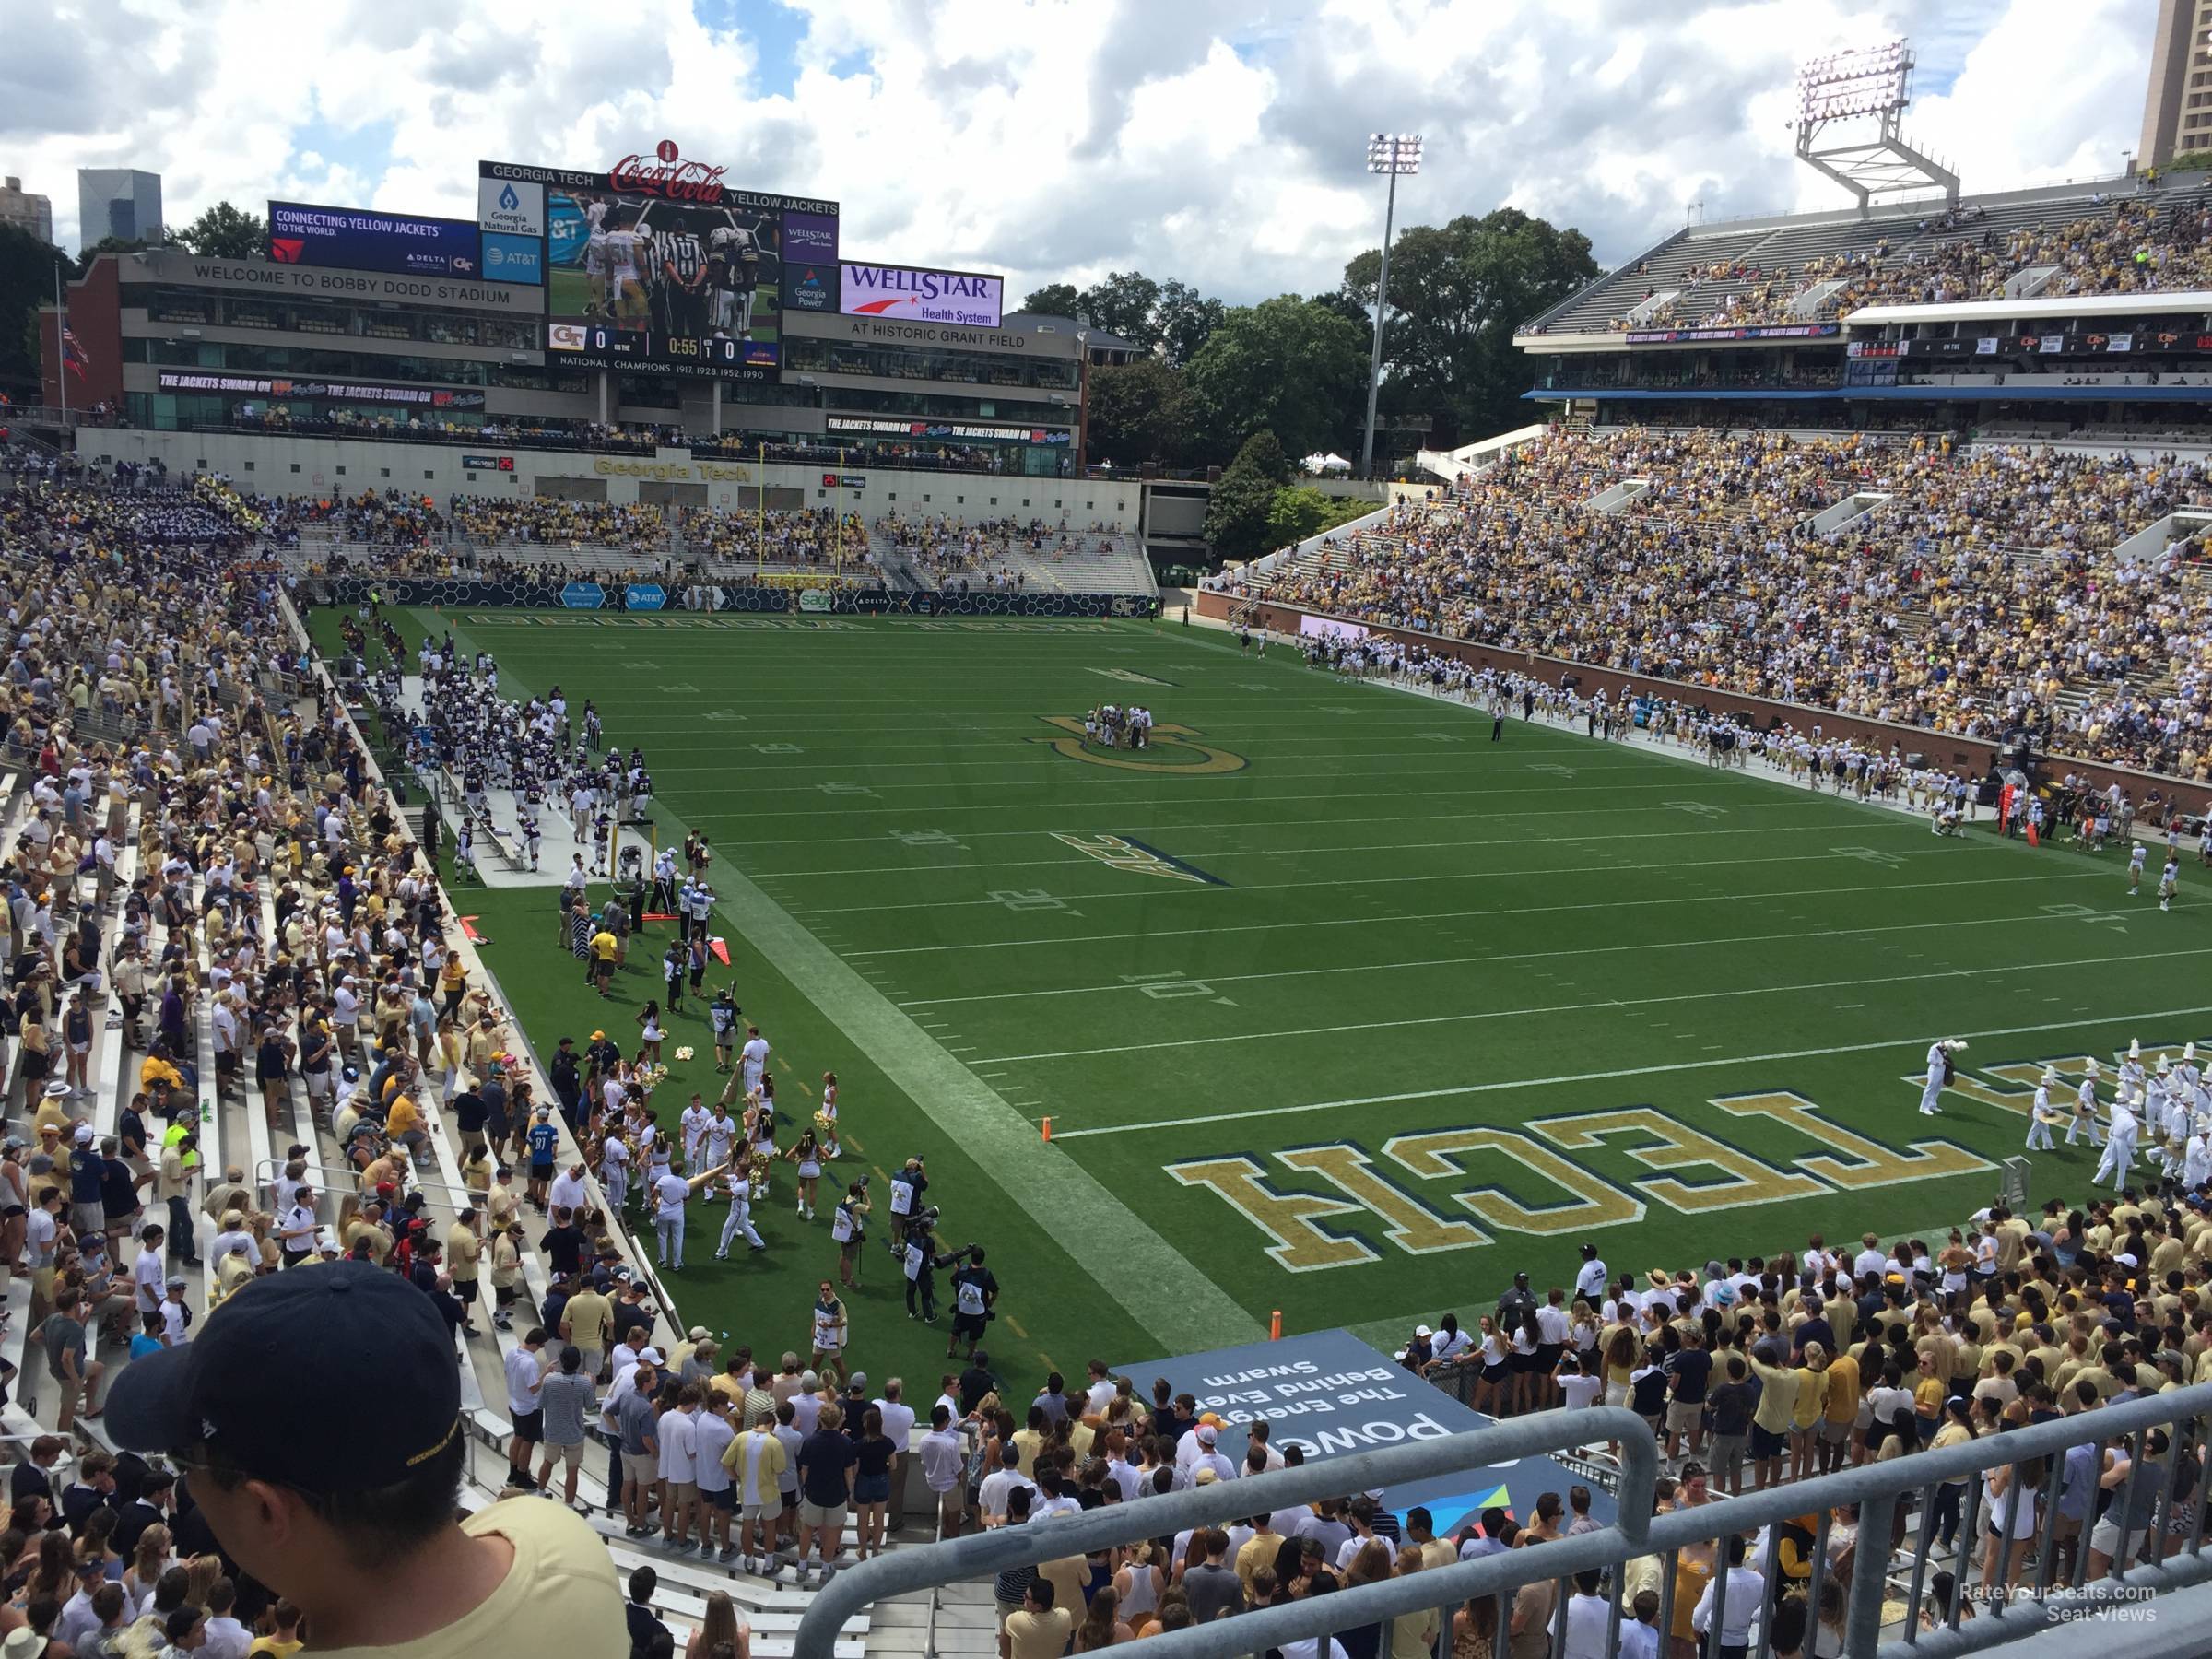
2085	1108
2040	1115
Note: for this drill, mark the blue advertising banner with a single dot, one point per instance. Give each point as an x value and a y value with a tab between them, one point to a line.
1330	1393
356	238
513	258
582	596
645	596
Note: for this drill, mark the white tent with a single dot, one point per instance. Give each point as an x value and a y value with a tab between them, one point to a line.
1326	463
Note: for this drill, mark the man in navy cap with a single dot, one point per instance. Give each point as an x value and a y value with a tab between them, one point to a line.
330	1509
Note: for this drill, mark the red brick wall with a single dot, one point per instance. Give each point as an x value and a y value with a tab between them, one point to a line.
1941	749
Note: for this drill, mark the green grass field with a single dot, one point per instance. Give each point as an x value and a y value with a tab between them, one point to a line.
1361	1012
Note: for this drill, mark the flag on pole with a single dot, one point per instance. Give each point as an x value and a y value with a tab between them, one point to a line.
74	353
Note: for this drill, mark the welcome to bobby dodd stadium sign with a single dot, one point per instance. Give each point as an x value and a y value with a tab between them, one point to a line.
1330	1393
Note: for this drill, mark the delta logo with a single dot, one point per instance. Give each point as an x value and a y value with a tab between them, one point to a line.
288	250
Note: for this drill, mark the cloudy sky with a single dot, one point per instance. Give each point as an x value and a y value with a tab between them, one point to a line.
1056	138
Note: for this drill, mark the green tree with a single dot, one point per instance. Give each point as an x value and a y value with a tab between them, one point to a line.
1053	299
1238	512
27	267
1138	411
1123	304
227	232
1286	365
1456	294
1186	319
1299	511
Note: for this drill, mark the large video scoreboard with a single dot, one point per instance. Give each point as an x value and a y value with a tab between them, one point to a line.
658	265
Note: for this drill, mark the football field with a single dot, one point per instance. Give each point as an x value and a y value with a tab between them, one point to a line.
1335	1006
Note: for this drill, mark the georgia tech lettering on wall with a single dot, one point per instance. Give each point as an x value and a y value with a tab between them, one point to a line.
712	471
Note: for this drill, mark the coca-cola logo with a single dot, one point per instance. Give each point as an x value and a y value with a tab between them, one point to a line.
667	176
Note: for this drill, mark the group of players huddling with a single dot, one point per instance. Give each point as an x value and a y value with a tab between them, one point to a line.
689	272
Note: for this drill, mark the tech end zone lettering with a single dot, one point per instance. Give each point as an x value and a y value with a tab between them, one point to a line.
1300	1242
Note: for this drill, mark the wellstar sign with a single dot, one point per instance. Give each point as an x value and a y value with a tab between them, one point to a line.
966	299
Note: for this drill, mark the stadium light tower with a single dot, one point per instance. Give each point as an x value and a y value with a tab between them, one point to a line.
1872	83
1393	155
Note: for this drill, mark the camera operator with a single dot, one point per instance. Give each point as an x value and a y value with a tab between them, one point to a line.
907	1187
974	1302
922	1259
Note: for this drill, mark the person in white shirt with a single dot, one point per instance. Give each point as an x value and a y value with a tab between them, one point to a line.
78	1621
1205	1458
718	1136
712	1434
678	1436
525	1371
571	1191
738	1187
898	1423
693	1126
1745	1590
1586	1619
990	1495
1590	1277
753	1057
1450	1341
223	1636
1101	1389
671	1192
148	1278
176	1318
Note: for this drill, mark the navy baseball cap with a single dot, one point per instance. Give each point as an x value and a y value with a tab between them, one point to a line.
235	1385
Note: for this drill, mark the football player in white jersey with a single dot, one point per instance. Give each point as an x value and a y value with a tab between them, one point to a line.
626	261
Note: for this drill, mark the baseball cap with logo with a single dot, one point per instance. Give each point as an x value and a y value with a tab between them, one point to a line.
232	1390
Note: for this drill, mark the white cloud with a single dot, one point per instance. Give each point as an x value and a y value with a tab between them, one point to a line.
1061	138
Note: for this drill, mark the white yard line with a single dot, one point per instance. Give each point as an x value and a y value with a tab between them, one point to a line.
1517	955
1584	1007
1830	891
1216	854
1131	890
1912	1044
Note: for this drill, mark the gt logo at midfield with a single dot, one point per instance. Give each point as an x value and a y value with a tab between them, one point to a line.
1167	751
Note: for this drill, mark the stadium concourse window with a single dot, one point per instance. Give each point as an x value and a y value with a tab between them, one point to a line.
249	358
979	367
200	308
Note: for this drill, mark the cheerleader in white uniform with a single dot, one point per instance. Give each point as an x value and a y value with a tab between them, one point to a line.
808	1155
825	1120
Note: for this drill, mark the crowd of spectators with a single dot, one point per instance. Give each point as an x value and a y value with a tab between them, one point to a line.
805	538
2145	245
1979	592
553	521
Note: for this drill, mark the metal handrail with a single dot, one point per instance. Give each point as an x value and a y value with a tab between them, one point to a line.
347	1186
989	1553
1874	1489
